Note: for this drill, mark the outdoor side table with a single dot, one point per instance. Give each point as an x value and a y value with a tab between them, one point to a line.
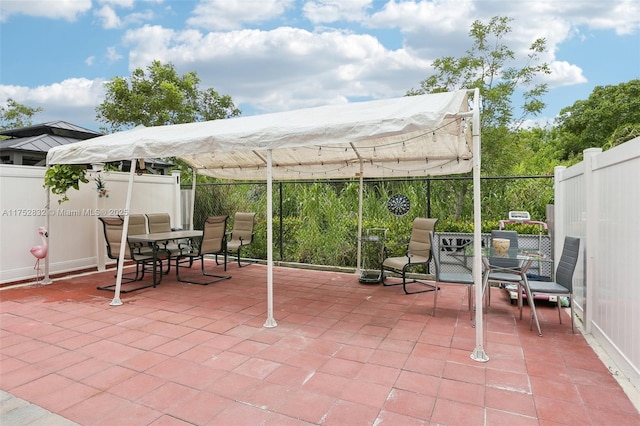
372	249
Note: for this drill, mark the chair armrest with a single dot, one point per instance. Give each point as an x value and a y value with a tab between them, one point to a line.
135	247
387	248
188	246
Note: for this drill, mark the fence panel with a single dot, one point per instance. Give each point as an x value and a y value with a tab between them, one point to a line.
597	203
75	237
316	222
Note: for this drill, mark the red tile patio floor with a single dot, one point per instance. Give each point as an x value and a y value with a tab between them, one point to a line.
343	353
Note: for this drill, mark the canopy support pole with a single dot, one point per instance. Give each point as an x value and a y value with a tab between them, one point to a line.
360	198
46	280
478	354
193	198
123	239
270	321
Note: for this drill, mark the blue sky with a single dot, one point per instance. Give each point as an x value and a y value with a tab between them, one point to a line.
274	55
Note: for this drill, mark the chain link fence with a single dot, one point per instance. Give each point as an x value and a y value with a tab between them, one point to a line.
316	222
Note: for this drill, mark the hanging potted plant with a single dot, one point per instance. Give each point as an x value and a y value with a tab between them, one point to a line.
101	187
60	177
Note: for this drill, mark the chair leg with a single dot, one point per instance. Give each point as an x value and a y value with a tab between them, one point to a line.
435	299
573	330
431	287
140	270
204	273
238	255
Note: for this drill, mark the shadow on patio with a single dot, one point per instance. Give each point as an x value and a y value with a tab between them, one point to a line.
343	353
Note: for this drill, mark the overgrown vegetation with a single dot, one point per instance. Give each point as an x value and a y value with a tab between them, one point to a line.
317	222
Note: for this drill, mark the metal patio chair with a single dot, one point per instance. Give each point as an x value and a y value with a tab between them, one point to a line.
213	242
418	255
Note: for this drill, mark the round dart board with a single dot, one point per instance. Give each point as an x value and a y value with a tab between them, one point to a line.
399	205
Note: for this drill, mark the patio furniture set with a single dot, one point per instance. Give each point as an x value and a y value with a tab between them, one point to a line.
502	262
150	241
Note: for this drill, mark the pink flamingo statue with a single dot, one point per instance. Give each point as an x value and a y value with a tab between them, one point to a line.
40	252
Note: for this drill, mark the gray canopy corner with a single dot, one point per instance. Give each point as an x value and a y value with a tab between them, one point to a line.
426	135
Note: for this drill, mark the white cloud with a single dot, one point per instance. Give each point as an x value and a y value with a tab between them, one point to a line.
327	11
284	68
266	69
564	74
437	29
108	17
60	9
439	17
113	55
73	99
119	3
233	14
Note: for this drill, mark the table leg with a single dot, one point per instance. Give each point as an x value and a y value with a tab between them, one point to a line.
532	304
155	263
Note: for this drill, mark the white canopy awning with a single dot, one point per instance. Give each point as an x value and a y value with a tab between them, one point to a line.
409	136
435	134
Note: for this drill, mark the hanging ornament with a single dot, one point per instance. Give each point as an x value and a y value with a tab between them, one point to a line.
399	205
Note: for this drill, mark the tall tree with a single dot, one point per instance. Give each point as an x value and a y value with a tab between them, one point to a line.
15	115
491	66
610	116
158	97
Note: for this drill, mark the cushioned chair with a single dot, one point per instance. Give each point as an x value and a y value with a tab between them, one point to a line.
138	226
418	254
213	242
142	256
457	278
161	222
563	284
241	235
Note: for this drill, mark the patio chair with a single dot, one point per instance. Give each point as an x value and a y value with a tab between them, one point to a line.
502	270
137	224
213	242
418	254
142	256
241	235
563	284
161	222
456	278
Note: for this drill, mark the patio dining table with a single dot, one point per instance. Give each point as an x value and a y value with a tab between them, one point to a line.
526	258
155	239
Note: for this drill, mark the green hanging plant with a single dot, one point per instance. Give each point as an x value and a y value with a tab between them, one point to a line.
101	187
60	177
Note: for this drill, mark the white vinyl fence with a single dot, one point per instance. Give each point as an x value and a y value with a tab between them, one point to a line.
598	200
76	238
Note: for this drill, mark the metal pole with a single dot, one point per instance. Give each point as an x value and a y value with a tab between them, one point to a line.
478	353
123	239
270	321
281	230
